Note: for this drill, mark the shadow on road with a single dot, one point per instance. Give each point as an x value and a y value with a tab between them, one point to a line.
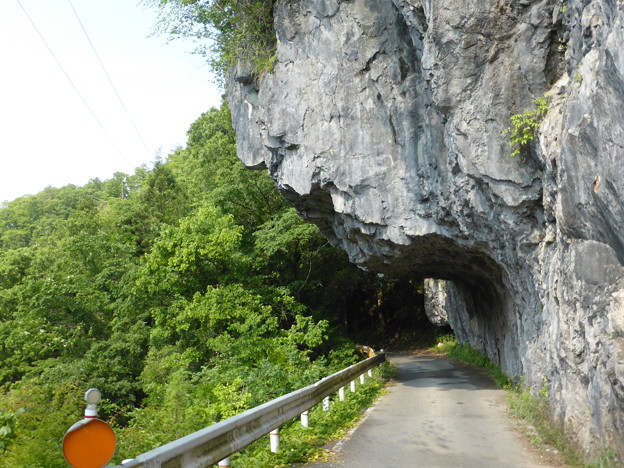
426	371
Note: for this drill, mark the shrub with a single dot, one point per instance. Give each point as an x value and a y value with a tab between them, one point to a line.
523	126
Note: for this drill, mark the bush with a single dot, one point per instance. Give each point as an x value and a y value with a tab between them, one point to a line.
41	414
523	126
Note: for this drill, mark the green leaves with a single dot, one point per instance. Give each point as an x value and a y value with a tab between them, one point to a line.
523	126
200	251
211	173
186	292
238	30
286	235
7	429
41	414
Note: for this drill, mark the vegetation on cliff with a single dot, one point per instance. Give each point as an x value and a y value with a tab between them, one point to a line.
227	31
523	126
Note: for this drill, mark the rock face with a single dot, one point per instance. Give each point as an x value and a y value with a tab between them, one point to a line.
437	301
382	124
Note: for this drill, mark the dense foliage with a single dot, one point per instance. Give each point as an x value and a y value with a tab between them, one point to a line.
186	292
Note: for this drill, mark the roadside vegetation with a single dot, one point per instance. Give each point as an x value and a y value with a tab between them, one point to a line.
299	444
463	352
529	409
186	292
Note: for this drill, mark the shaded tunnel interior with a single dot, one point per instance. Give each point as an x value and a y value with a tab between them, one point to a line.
472	294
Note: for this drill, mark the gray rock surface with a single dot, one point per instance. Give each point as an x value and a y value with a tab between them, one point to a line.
382	124
436	301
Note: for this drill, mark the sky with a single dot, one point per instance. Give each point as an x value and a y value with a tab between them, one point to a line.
48	135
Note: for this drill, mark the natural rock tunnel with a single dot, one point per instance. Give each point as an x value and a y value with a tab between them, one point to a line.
382	124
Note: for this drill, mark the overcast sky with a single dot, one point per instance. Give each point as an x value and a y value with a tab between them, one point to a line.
48	136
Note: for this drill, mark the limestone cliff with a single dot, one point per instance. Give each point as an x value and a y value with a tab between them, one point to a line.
382	124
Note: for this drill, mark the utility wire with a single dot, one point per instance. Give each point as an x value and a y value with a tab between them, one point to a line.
109	78
71	82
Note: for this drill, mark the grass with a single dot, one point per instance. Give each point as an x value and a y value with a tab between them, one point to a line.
299	444
463	352
544	435
532	410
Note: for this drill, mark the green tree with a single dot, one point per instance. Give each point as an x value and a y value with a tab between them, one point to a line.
200	251
237	30
42	413
210	170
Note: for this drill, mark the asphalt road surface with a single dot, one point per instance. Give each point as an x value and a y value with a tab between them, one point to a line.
436	414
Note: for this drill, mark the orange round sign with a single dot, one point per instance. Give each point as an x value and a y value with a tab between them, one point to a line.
89	443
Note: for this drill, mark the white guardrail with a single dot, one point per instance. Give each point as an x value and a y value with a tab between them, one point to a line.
208	446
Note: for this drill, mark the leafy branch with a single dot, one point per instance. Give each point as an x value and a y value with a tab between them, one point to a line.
523	126
227	31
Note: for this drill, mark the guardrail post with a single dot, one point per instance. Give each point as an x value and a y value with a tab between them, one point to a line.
362	379
370	372
341	394
326	403
305	419
225	463
353	386
274	438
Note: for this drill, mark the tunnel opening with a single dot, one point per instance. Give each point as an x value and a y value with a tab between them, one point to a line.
481	307
433	287
390	314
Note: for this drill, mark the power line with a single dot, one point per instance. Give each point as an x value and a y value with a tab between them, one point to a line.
71	82
109	78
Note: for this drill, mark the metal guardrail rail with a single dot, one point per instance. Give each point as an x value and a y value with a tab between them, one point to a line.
210	445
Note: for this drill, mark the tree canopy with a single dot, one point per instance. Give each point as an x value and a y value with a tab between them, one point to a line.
227	32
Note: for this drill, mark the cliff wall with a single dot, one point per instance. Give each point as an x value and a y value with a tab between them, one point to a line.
382	124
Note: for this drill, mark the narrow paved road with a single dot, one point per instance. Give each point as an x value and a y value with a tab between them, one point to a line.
436	414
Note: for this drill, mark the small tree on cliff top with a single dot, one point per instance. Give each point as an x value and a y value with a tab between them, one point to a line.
235	30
